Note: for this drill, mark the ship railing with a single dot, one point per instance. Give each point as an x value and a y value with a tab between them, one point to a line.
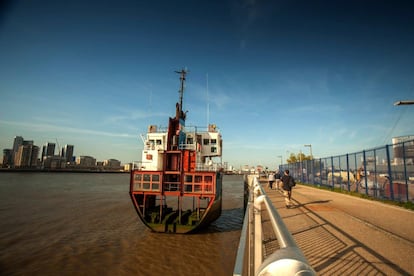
136	165
187	147
207	167
200	129
214	167
287	260
139	165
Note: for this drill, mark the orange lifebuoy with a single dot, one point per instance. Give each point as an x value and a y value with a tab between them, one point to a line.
149	156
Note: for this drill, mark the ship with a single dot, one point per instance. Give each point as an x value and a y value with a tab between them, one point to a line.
177	185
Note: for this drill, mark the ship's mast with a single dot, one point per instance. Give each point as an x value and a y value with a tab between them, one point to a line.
182	73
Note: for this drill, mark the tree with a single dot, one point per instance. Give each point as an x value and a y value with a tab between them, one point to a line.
298	157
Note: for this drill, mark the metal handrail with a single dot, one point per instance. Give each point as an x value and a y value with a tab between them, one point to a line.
288	260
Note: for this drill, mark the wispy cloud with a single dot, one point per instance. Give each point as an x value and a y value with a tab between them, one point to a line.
134	115
317	108
50	127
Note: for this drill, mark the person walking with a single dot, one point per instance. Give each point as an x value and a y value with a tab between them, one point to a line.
288	182
271	179
277	177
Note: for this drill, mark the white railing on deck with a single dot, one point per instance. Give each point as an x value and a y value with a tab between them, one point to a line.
214	167
288	260
187	146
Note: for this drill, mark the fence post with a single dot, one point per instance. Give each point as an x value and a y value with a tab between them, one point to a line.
347	169
356	169
320	171
364	163
389	172
405	172
333	172
376	184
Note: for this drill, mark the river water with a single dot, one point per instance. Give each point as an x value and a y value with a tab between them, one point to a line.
85	224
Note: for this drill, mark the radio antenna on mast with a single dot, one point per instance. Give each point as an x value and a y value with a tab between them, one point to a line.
208	104
182	73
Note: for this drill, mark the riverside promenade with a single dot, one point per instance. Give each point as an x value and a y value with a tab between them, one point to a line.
345	235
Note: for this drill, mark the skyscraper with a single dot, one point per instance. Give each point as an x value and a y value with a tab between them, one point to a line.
7	158
67	152
48	150
18	141
26	155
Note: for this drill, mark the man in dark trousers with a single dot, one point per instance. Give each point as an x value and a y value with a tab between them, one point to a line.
277	178
288	183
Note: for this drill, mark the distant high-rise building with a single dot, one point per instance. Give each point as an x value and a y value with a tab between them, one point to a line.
7	158
35	156
67	152
48	150
26	156
86	161
18	141
112	163
27	142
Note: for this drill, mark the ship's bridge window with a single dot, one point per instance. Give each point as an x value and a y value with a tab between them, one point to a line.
213	141
190	140
159	142
213	149
198	183
146	182
198	179
206	141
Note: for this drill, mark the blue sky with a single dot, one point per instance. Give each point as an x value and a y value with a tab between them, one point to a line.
281	74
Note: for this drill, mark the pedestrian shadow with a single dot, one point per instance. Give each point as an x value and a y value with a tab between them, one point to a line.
329	249
298	205
332	251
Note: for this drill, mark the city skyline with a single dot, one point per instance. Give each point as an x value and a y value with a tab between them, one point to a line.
273	76
46	152
41	154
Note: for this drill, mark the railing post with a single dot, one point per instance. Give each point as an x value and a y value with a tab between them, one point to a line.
288	260
258	244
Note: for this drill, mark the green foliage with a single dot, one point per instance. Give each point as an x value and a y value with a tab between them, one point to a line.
294	158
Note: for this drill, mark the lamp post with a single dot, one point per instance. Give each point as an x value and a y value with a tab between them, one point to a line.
404	102
310	147
281	159
301	166
311	156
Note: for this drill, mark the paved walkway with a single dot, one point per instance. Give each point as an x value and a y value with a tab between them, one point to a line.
345	235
